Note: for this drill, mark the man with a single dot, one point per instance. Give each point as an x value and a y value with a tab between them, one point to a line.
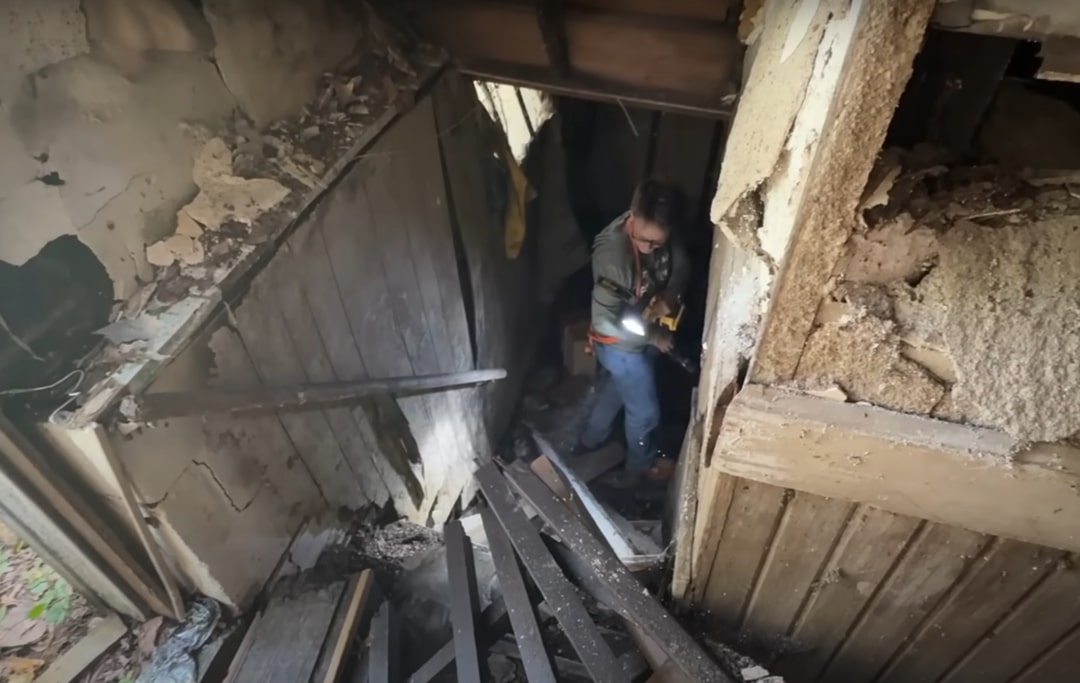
636	252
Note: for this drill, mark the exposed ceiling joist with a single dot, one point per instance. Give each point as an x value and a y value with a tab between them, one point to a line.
674	62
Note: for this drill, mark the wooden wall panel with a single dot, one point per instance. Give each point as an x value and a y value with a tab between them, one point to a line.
755	513
501	299
793	567
835	593
1035	625
370	286
999	578
872	541
929	569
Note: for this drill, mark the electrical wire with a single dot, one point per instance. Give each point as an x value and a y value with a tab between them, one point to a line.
46	387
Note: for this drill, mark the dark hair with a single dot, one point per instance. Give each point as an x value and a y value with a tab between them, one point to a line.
660	203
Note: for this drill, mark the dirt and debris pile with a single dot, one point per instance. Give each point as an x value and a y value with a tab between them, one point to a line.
958	297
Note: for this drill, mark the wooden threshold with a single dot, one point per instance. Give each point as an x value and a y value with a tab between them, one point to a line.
971	477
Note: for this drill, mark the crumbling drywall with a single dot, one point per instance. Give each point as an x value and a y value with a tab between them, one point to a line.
272	52
113	161
958	298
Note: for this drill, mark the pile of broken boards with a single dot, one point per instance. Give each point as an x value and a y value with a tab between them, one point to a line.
532	590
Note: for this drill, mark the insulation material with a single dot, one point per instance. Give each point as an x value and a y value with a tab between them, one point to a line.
960	300
1013	323
896	250
863	358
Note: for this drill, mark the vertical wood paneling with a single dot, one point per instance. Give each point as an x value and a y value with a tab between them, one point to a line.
392	205
502	292
357	265
357	448
756	510
867	551
998	579
806	537
716	491
396	449
936	559
1059	663
1039	619
267	341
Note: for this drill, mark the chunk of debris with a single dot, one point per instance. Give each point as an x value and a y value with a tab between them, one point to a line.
226	197
177	248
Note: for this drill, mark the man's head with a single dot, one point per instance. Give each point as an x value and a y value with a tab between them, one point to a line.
654	212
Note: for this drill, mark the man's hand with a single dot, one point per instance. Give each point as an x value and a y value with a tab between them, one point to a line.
657	308
663	341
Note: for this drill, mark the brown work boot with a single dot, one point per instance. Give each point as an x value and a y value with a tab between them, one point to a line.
662	469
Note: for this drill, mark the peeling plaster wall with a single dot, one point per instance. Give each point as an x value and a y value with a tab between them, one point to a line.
226	498
105	121
295	42
115	142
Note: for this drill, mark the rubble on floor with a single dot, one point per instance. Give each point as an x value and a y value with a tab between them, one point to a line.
495	597
957	298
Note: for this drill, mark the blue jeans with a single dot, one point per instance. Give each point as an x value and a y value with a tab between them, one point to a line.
632	385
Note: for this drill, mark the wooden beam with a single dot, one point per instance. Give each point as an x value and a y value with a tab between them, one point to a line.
971	477
384	654
162	405
625	594
549	17
587	87
530	643
464	603
700	10
558	592
358	596
684	64
496	621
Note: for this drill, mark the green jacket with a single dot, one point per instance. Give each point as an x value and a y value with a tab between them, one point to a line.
665	269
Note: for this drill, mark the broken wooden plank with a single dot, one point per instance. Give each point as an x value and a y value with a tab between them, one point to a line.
356	603
944	472
159	406
276	654
630	600
385	653
101	636
496	621
530	644
558	592
464	603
